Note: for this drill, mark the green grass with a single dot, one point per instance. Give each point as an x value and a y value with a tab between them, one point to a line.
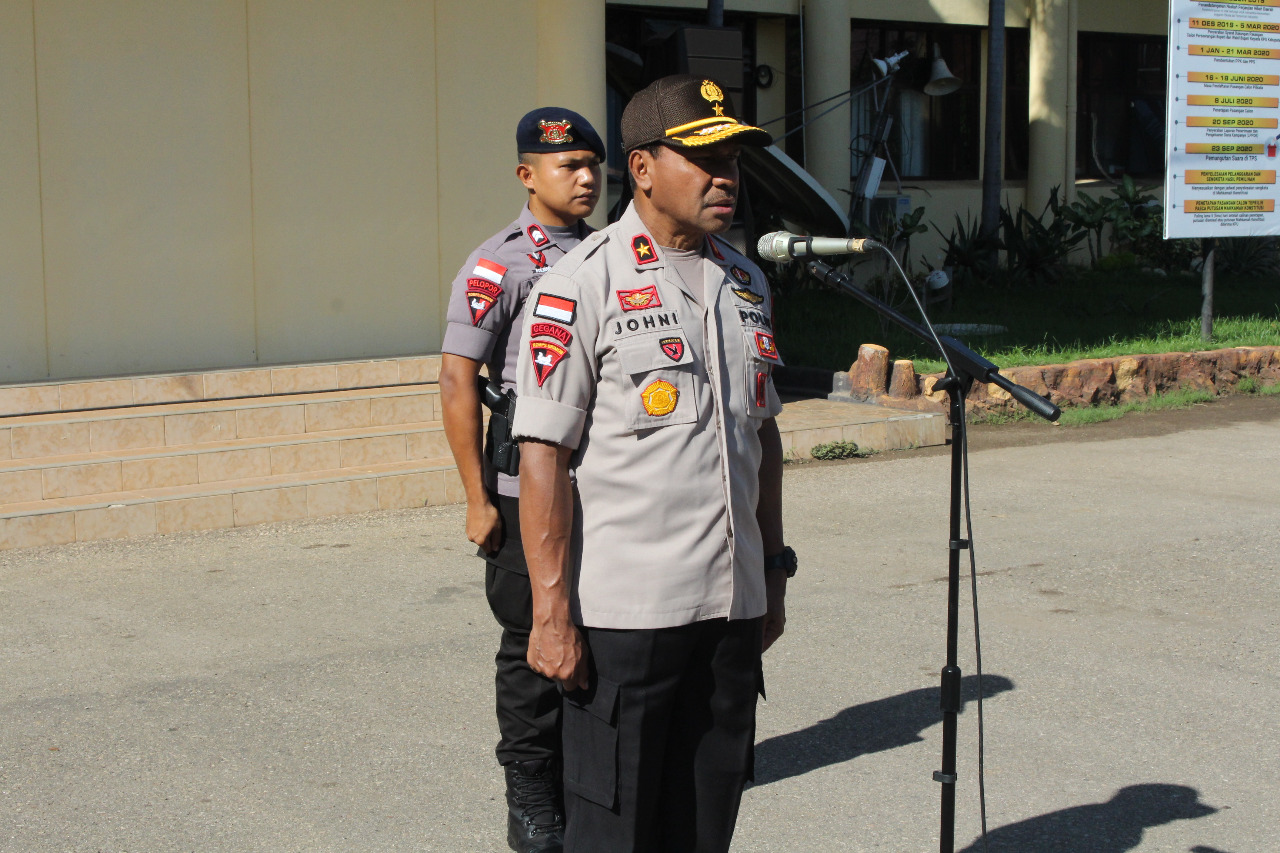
1181	399
1083	415
1087	315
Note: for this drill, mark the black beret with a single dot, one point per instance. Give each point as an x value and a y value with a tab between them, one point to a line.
550	129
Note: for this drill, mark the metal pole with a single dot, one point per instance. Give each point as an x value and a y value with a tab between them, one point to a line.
1206	289
992	165
715	13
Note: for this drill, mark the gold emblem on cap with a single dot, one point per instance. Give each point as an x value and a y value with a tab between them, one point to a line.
713	93
555	132
660	398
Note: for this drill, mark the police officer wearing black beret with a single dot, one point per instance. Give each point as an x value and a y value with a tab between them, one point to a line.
560	158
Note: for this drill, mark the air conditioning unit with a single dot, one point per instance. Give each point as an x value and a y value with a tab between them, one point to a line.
884	207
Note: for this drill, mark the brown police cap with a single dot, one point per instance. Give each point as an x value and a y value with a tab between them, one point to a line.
685	111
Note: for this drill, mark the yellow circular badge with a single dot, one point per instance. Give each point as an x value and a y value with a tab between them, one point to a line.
660	398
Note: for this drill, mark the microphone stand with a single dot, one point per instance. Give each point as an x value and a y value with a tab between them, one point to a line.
964	368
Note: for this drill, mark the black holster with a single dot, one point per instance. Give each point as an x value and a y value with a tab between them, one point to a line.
499	447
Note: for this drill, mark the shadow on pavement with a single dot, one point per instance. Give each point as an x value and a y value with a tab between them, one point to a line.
1111	827
861	730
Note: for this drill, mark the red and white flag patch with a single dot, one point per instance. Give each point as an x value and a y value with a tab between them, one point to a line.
552	307
489	271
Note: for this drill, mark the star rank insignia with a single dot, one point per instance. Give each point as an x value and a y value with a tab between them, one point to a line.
546	356
642	248
640	298
537	236
672	348
481	295
555	132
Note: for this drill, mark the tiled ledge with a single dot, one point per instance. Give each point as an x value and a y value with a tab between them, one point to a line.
119	392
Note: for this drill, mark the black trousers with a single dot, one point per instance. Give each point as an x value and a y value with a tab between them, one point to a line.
528	704
658	748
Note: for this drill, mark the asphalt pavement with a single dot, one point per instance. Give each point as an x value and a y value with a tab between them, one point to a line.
327	685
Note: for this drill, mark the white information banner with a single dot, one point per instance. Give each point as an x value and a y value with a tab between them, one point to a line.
1223	118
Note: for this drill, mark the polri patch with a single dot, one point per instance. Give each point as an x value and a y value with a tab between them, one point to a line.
640	298
672	348
546	356
660	398
642	248
481	295
740	275
537	236
766	347
489	271
552	307
551	330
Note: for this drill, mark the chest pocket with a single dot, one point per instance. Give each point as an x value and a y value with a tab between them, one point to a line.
660	368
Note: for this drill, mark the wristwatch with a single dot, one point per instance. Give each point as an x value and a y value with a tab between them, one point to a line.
786	559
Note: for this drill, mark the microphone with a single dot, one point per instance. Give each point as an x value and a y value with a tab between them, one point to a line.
781	246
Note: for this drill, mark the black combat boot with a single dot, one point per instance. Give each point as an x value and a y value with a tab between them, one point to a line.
536	820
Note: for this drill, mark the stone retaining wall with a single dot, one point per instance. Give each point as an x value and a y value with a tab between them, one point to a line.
1091	382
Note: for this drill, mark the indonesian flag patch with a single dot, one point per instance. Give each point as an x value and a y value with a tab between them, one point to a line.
546	355
640	298
552	307
481	295
489	271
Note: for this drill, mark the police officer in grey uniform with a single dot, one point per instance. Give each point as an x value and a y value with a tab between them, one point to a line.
560	157
651	469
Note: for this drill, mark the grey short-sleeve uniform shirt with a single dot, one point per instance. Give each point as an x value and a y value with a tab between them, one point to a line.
660	391
486	302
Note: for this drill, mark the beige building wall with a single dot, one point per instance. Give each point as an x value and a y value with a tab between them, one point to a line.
217	183
143	128
22	318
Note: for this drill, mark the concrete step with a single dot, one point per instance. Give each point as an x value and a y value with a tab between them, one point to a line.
231	503
194	386
807	423
84	475
210	422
